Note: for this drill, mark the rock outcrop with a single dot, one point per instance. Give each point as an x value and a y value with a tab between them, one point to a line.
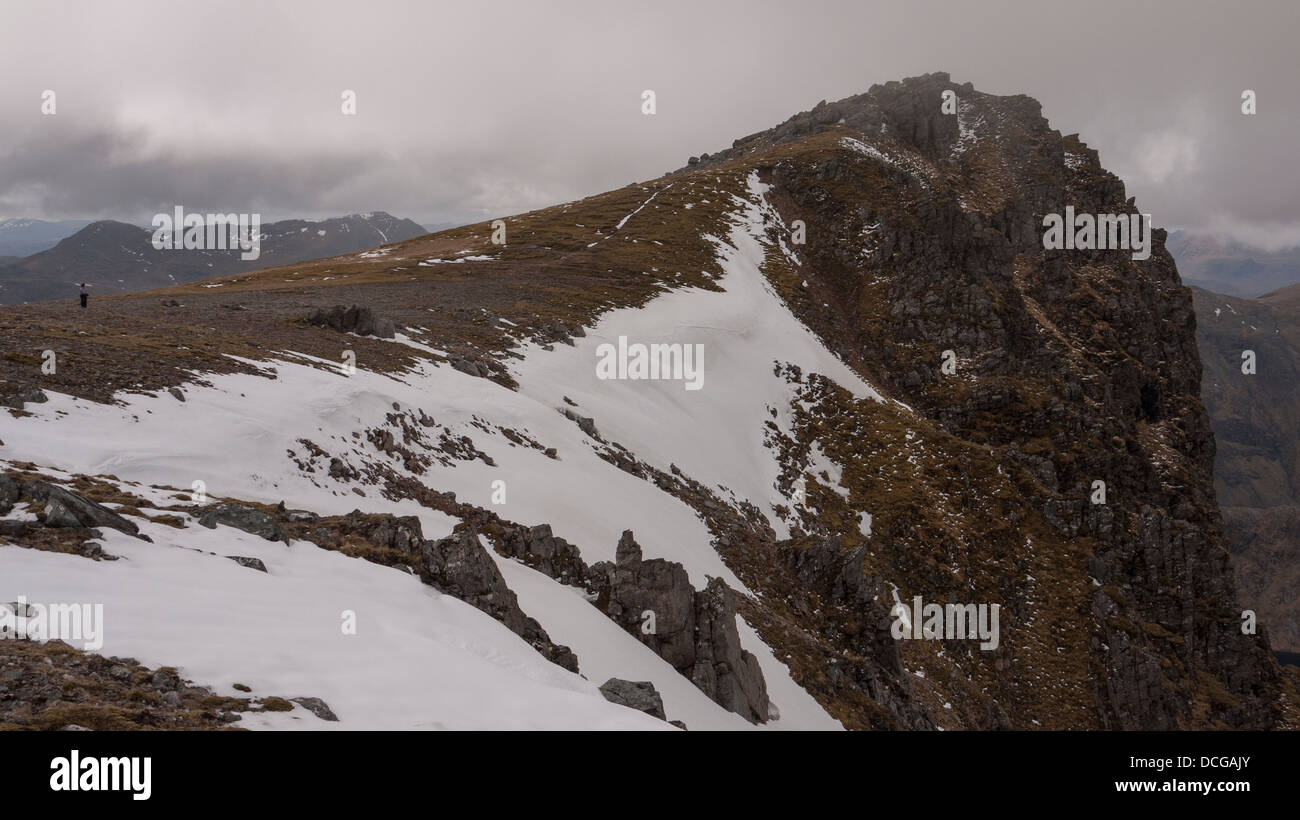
317	707
244	518
694	631
8	494
458	565
355	319
653	600
65	508
925	242
545	552
23	396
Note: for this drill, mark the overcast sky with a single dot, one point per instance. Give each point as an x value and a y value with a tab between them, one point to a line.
471	110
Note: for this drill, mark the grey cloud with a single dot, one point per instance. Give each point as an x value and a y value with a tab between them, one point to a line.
471	111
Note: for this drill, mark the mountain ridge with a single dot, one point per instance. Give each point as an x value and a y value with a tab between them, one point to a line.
1233	268
119	257
838	469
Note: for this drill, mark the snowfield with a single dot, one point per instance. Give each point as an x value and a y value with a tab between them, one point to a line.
421	659
715	435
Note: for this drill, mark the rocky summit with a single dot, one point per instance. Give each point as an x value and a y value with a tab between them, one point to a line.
446	514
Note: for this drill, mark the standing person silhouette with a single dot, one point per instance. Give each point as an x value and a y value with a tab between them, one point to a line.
84	294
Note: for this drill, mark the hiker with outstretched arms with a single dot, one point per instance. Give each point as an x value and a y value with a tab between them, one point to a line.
84	293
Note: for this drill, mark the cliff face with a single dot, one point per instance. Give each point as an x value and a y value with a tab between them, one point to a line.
925	235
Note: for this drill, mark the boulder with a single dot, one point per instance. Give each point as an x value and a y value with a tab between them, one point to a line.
317	707
401	533
585	423
64	508
58	515
355	319
470	367
251	563
294	516
8	493
244	518
639	695
164	681
23	396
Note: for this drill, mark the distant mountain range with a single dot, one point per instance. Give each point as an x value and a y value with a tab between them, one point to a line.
1232	268
1257	461
1249	299
118	258
24	237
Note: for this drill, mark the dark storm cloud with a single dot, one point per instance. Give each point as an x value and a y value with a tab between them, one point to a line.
112	172
467	111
